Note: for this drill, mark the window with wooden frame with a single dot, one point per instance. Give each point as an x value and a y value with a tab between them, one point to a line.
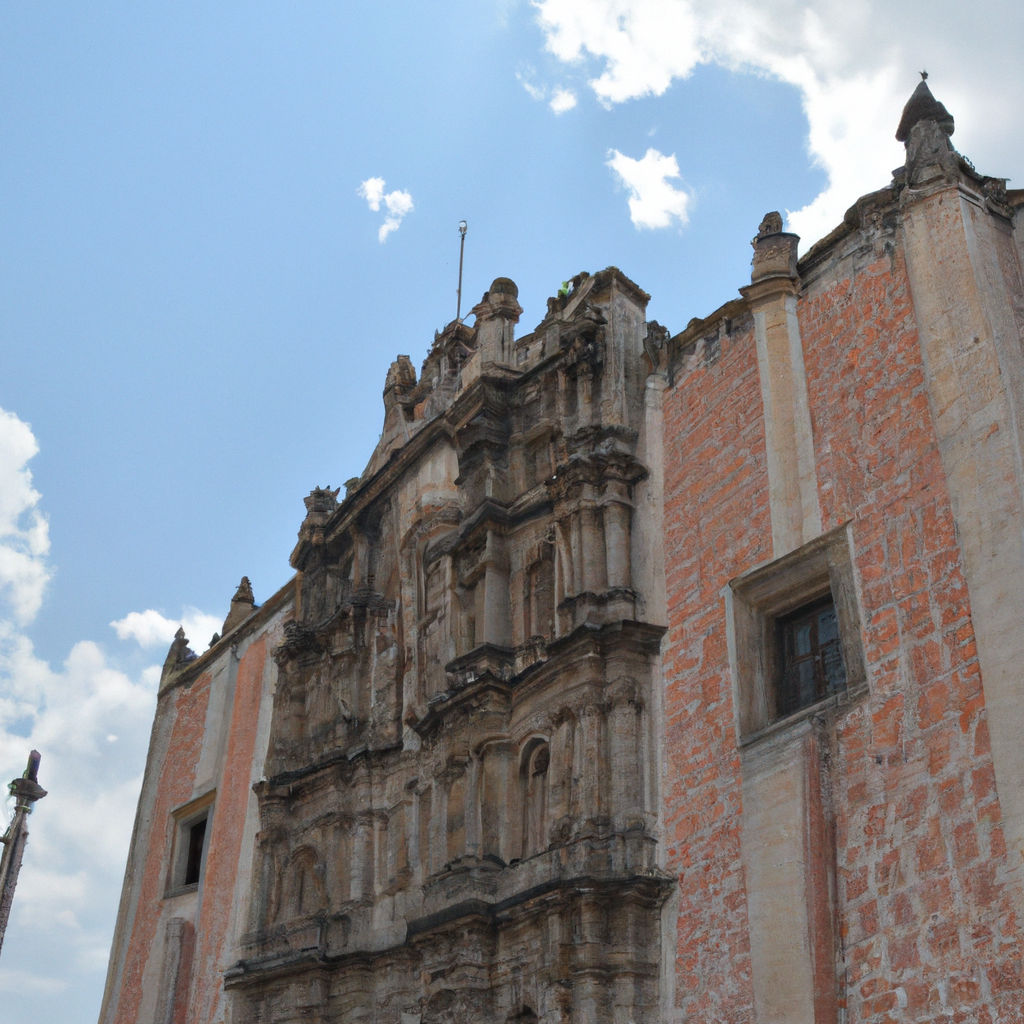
795	635
810	656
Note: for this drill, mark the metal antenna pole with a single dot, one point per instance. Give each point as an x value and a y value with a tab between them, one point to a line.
26	791
462	248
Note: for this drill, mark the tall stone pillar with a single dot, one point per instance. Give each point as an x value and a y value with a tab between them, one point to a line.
559	806
772	295
787	873
361	877
973	353
494	622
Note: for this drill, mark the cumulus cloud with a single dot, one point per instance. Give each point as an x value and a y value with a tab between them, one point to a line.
151	629
653	202
397	204
562	101
90	719
24	532
71	879
853	64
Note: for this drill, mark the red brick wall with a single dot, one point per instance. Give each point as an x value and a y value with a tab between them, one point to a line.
717	523
917	818
188	708
922	906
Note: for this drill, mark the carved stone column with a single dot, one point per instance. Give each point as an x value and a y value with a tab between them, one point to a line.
595	578
617	515
560	775
627	805
362	857
591	756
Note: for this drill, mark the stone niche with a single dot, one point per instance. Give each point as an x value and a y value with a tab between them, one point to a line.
458	818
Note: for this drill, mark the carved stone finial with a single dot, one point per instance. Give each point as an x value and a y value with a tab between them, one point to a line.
656	345
401	379
775	250
179	655
242	605
322	501
500	300
496	314
770	225
923	106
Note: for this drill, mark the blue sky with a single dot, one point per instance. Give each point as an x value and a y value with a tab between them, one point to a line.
196	311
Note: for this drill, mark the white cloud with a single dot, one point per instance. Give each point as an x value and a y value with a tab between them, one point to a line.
853	63
91	721
653	202
562	101
397	203
535	92
151	629
71	879
372	190
24	532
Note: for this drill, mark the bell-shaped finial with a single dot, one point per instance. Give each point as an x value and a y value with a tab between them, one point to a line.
923	106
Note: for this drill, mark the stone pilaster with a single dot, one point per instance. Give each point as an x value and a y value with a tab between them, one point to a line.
772	296
973	352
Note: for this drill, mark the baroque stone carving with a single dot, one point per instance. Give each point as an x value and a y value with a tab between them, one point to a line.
457	815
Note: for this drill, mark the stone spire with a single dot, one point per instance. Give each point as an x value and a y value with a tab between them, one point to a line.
923	106
242	605
924	129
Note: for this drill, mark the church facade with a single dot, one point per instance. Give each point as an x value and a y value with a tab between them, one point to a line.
640	677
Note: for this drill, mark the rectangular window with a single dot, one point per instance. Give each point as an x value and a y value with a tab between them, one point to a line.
795	636
196	835
811	656
191	824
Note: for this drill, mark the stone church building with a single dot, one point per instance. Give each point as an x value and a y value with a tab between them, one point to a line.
640	677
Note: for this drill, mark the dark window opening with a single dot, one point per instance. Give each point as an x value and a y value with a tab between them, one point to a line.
812	657
196	835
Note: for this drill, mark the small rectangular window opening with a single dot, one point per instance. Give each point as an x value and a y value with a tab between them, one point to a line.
812	656
196	835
